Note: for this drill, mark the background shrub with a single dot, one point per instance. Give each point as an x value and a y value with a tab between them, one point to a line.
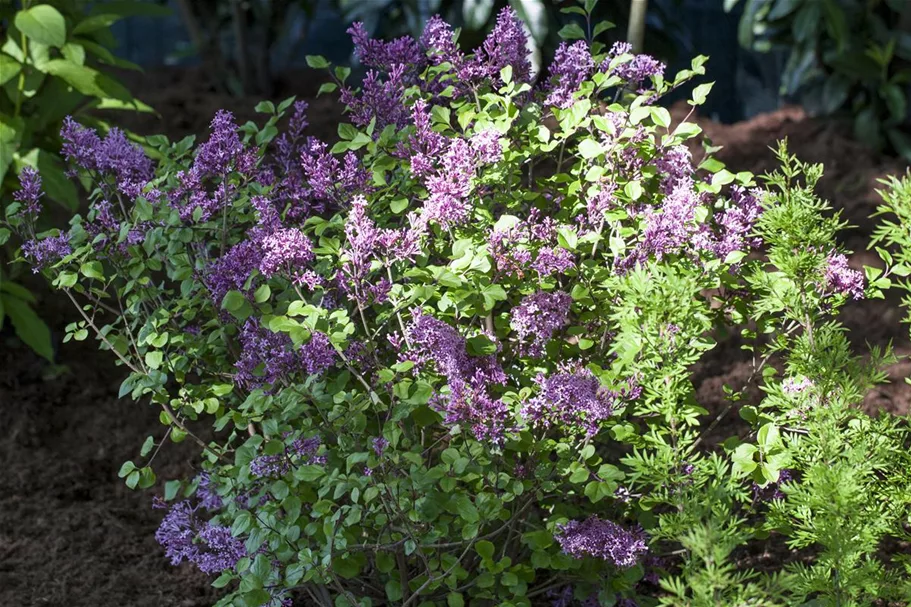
449	359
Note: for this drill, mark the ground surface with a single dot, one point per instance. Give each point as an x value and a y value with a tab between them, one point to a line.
72	535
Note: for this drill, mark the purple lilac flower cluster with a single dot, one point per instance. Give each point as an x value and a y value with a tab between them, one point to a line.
468	377
379	446
736	222
603	539
840	278
572	65
30	193
365	243
43	253
635	70
114	156
383	55
185	537
425	145
380	100
231	271
538	318
331	181
284	249
530	244
219	156
289	146
673	229
300	451
795	385
207	492
574	399
274	351
772	491
395	65
450	185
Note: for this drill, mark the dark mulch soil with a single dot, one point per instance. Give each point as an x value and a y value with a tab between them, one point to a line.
71	533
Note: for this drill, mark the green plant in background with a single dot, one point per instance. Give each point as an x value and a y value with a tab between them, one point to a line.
54	58
848	56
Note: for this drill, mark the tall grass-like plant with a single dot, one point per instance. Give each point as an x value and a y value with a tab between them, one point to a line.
448	360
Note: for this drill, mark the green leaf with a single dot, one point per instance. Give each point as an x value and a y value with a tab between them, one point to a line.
126	468
154	359
633	189
484	549
481	345
506	74
895	100
835	93
601	27
147	446
462	505
347	131
133	479
92	269
96	22
385	562
43	24
265	107
589	148
573	10
235	303
9	68
130	8
768	436
578	473
262	294
317	62
660	116
783	8
74	52
398	205
66	279
701	93
743	458
308	473
170	489
493	294
29	327
806	23
902	144
11	131
867	127
393	590
82	78
257	598
571	31
146	478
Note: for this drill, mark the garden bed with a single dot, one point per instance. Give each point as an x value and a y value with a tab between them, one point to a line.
72	534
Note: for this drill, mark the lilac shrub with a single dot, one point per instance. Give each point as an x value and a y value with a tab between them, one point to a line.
448	359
